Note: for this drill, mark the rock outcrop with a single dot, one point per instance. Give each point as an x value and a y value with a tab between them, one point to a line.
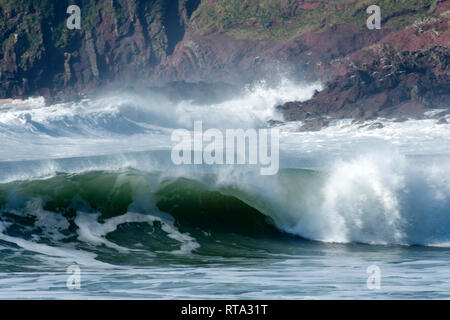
402	75
399	85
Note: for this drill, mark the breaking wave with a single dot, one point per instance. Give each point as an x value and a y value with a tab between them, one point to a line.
373	199
90	181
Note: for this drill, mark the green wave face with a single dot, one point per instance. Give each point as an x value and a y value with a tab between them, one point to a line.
141	217
133	217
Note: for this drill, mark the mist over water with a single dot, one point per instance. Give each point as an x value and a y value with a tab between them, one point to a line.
91	182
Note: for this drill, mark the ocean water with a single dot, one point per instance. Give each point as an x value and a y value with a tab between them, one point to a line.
90	185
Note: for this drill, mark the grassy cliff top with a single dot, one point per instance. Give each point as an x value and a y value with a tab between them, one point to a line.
287	19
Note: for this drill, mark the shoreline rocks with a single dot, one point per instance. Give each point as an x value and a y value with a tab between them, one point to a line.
405	84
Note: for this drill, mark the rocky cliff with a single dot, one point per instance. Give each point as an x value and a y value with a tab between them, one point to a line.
158	41
119	41
234	40
402	75
400	85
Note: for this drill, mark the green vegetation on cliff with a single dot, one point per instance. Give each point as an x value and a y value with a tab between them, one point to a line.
37	50
126	41
286	19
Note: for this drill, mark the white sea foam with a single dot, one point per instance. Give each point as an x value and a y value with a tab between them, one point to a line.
378	197
53	254
128	122
94	232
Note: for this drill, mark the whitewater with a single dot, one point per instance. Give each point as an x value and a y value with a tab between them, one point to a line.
91	183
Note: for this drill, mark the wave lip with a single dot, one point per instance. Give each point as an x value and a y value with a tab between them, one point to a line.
117	217
374	198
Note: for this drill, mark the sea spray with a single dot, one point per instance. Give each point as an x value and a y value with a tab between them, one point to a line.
234	146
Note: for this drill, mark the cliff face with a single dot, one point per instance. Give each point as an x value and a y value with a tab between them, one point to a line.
403	75
157	41
234	40
119	41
